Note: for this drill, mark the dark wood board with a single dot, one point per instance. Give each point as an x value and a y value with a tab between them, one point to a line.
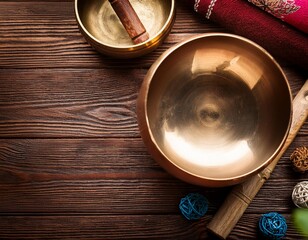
72	163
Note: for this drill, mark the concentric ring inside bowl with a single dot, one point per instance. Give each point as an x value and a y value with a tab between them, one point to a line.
102	28
217	108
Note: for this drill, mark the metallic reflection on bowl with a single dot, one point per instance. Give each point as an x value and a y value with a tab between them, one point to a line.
214	109
102	28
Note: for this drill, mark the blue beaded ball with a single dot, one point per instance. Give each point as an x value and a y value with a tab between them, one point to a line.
193	206
273	225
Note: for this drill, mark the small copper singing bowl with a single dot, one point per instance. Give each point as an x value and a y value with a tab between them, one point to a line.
102	28
214	109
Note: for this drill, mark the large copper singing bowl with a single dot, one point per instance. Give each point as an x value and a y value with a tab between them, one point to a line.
214	109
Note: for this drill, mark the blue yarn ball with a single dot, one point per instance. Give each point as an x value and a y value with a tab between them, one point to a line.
193	206
273	225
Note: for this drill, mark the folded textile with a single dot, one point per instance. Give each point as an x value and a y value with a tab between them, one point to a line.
242	18
294	12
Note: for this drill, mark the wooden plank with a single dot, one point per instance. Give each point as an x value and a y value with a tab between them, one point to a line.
105	176
92	197
72	164
98	227
45	42
36	42
49	195
53	103
71	159
125	227
46	35
97	103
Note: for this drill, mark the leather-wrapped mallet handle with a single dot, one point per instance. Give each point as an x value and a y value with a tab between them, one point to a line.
242	194
130	20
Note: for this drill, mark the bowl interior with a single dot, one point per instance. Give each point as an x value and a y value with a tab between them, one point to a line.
218	107
102	23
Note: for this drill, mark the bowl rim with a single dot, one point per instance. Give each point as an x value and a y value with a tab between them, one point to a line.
183	173
141	45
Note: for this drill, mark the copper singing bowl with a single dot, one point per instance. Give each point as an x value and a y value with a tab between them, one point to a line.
214	109
102	28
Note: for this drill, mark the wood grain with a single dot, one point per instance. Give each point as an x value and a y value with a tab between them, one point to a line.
121	227
72	163
78	175
30	41
99	227
67	103
76	103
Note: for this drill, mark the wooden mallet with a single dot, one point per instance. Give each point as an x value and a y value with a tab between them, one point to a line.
130	20
242	194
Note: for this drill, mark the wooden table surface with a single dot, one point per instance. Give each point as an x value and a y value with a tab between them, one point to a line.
72	163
